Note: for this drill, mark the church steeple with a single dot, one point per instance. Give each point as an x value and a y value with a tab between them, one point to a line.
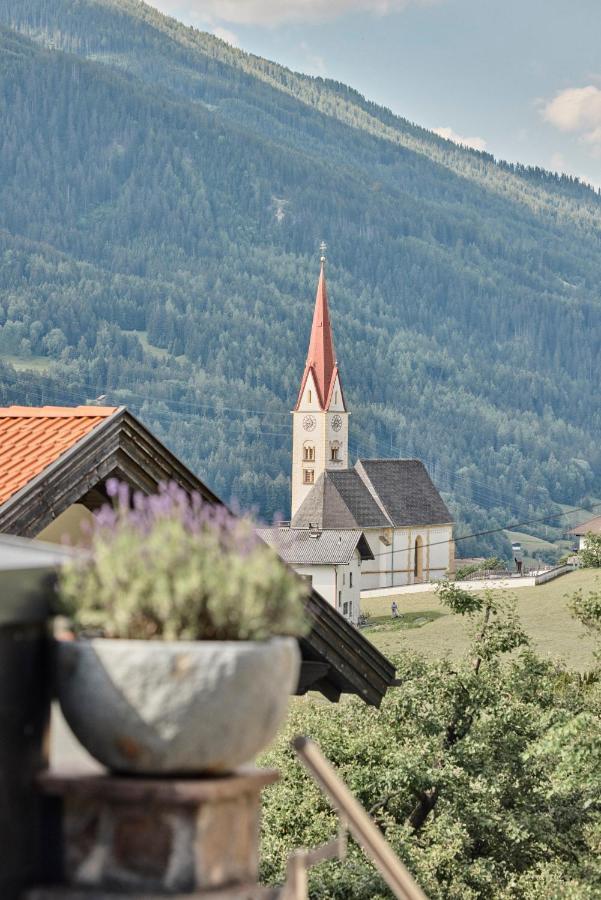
320	423
321	358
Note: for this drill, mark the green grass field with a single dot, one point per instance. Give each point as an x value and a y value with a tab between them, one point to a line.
543	611
529	542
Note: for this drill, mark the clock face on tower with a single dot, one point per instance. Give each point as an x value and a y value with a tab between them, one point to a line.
309	423
337	423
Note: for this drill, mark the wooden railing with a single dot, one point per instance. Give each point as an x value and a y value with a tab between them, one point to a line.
353	818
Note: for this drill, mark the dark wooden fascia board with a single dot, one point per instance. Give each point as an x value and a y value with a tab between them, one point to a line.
342	674
354	668
63	482
351	637
311	672
326	687
349	660
154	458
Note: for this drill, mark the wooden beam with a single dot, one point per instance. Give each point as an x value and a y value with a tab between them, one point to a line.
311	671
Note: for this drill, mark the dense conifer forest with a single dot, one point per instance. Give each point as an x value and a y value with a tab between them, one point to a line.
162	199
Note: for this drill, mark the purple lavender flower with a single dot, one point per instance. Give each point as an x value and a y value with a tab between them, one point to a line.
141	512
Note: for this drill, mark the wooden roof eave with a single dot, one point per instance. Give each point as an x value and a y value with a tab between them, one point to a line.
121	446
339	642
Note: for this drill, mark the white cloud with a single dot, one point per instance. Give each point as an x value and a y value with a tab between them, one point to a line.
575	109
276	12
578	110
476	143
226	35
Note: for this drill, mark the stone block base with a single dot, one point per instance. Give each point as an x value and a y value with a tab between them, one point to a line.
152	837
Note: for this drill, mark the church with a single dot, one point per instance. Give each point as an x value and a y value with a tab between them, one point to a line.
393	502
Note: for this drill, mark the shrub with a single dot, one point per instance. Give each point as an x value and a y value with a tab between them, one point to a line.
590	555
171	567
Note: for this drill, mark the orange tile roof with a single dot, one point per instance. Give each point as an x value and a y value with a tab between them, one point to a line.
31	438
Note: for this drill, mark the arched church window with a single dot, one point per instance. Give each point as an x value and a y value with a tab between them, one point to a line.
335	451
418	561
308	476
308	452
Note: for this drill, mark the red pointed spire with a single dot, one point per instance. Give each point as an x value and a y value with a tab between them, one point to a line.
321	359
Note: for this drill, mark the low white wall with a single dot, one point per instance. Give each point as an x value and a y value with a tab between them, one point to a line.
493	583
553	573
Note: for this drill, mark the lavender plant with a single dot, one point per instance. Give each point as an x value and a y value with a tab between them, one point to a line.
173	567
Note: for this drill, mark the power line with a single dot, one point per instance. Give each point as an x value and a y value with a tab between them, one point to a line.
480	491
486	494
510	527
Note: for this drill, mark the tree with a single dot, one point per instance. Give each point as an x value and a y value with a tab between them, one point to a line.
590	555
464	769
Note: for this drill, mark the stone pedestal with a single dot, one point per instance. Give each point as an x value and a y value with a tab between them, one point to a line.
157	837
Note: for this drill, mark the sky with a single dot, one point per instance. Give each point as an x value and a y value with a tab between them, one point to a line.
519	78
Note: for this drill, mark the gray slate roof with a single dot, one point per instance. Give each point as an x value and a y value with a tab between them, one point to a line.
377	493
405	490
297	546
340	500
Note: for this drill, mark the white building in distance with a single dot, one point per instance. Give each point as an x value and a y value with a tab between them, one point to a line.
592	526
331	560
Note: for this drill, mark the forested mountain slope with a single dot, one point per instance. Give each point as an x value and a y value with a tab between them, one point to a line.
161	204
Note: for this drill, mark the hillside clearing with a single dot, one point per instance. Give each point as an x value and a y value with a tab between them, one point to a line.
31	363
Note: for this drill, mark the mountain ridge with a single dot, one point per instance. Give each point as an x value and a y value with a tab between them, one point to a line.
478	313
285	80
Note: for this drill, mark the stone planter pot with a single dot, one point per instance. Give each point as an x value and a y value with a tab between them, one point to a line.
159	707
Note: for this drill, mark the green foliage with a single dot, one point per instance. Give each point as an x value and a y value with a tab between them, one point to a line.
482	775
590	555
486	565
173	568
587	608
493	562
457	599
143	255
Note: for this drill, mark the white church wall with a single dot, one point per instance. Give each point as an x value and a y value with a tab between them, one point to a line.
336	400
394	565
308	428
374	571
440	552
401	561
337	432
